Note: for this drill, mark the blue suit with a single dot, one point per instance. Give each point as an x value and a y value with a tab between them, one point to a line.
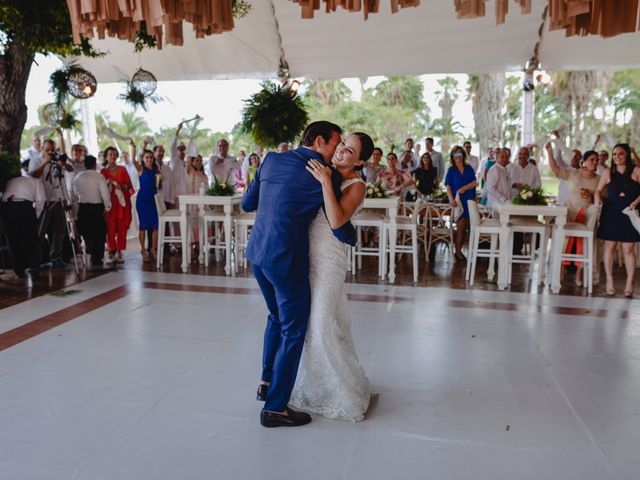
287	199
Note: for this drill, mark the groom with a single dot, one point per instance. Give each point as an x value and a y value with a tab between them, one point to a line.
287	199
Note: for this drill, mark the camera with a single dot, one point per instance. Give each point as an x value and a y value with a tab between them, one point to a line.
59	157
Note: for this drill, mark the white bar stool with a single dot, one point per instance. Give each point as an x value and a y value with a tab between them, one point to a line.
362	220
242	223
480	228
167	217
404	223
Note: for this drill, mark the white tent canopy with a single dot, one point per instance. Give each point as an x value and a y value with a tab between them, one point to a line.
426	39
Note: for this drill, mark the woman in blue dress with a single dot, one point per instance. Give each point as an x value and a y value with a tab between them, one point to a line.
460	179
146	203
623	190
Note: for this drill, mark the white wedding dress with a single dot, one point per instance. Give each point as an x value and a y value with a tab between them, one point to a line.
330	380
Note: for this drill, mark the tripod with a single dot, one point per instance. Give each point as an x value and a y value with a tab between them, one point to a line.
56	178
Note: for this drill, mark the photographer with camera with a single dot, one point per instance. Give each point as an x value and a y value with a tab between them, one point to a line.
50	169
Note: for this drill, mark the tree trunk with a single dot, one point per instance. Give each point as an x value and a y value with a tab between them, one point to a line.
15	66
487	110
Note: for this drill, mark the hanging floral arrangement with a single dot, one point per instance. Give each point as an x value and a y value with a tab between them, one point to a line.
72	80
273	115
141	90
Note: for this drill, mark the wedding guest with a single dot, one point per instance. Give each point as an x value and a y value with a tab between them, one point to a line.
24	168
417	150
621	182
22	204
94	201
35	149
437	159
223	166
177	166
485	164
131	170
603	156
582	187
425	175
254	163
167	185
406	161
523	174
577	157
196	182
147	171
415	159
393	179
119	217
472	160
50	167
373	168
283	147
498	185
460	180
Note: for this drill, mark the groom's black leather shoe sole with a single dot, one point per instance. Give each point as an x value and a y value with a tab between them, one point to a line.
261	394
292	419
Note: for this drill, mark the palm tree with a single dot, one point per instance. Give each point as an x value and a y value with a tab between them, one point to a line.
445	127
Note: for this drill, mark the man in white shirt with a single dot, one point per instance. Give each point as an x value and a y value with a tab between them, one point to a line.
22	204
50	168
178	166
603	156
406	163
523	174
94	200
498	184
436	159
471	159
35	148
223	166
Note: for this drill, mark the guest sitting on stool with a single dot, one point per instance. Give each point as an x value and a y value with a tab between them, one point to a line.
94	201
22	204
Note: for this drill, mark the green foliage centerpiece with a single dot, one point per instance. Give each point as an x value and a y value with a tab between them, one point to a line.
530	196
376	190
221	189
273	115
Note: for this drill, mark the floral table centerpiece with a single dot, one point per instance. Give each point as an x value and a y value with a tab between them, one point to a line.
530	196
221	189
376	190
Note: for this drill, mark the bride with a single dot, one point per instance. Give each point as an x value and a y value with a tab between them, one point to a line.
330	380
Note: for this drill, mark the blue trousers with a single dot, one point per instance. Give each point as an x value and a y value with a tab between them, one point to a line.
288	300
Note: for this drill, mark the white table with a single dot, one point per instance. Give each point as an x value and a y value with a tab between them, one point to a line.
391	206
228	204
508	210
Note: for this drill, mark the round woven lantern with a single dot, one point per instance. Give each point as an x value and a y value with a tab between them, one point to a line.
52	114
144	81
82	84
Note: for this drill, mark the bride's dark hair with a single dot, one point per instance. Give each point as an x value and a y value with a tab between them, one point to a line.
366	145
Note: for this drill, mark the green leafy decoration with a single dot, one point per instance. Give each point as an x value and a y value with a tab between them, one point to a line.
273	115
69	121
58	81
240	8
9	168
144	39
134	97
221	189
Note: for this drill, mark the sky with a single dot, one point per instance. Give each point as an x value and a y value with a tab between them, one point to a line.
219	102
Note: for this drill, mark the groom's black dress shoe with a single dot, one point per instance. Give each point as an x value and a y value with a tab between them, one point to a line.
261	394
293	419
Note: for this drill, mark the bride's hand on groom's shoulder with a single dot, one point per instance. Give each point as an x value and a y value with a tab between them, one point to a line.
320	172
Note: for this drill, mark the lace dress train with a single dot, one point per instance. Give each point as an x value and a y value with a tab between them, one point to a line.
330	380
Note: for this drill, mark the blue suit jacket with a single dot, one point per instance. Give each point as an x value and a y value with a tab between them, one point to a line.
287	199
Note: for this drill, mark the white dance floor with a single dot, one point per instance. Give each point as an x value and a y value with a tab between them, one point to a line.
153	376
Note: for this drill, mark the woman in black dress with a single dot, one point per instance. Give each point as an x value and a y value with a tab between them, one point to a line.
622	183
425	175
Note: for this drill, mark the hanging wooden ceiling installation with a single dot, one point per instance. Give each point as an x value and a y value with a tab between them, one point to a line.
367	6
606	18
123	18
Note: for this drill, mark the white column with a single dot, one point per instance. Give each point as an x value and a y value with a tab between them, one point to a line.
89	130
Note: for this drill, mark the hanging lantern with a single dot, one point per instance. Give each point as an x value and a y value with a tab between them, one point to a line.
52	114
82	84
145	82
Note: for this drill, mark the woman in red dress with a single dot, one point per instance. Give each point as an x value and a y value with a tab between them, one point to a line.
119	217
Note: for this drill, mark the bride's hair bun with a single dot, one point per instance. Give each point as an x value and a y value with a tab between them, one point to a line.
366	145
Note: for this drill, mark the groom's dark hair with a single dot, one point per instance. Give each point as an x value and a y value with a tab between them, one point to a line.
322	128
